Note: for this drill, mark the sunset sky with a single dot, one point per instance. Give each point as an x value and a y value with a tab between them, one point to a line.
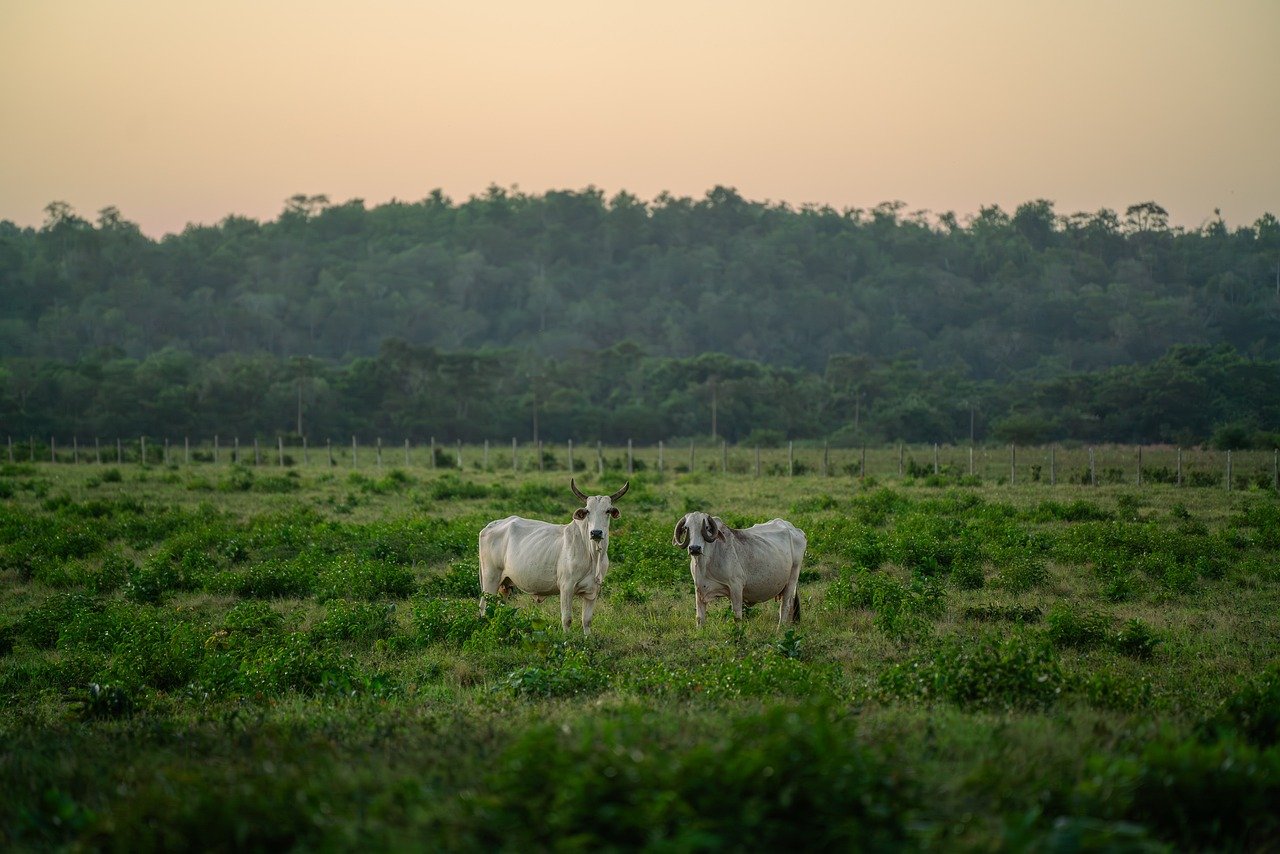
180	112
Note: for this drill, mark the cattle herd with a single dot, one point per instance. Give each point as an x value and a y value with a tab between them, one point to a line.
747	565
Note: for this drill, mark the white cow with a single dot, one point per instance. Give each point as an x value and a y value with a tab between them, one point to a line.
748	565
543	559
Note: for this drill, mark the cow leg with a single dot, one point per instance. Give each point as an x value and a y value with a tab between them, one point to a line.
588	606
701	604
789	611
735	597
566	607
490	581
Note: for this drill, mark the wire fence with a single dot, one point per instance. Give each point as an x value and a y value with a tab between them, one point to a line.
1051	465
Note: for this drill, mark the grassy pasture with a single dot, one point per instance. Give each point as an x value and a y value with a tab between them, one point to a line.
252	657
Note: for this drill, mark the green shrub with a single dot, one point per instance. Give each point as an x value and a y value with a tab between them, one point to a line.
297	662
364	622
349	578
41	624
1085	630
565	673
1105	690
1215	796
1136	640
634	780
105	702
1021	573
1252	712
1017	671
460	580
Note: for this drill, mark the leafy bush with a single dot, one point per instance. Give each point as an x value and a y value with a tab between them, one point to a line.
355	621
41	624
1218	796
1021	573
363	579
1252	712
565	673
635	780
1017	671
1084	630
1136	640
902	610
104	702
460	580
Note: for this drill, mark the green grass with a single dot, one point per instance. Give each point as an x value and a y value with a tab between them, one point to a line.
219	657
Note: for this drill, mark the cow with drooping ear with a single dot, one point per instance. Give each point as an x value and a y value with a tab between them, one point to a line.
747	566
545	559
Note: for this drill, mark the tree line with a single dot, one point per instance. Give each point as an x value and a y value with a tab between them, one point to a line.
1192	395
617	317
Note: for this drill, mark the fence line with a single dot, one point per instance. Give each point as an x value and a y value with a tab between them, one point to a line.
1055	464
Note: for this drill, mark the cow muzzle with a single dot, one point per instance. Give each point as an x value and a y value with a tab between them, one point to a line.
695	550
597	535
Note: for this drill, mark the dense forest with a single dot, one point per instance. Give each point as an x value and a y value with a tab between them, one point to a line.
571	315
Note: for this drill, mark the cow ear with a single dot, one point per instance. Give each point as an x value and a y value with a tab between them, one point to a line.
719	525
613	511
580	513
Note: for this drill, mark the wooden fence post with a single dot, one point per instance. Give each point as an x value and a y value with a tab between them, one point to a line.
1179	466
280	450
1228	470
378	454
630	459
826	458
791	459
142	443
599	458
659	456
406	450
75	450
571	457
486	455
935	459
433	451
1139	480
541	461
1053	468
757	460
899	459
166	450
53	452
11	451
97	449
119	451
1275	470
724	456
1013	464
862	473
215	448
305	461
970	460
459	455
1093	470
328	446
690	455
186	450
257	452
354	448
515	466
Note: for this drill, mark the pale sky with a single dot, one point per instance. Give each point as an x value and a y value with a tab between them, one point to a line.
177	111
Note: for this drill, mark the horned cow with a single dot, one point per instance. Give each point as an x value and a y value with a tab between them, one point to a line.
545	559
747	565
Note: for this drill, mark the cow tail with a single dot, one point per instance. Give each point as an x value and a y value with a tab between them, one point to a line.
795	608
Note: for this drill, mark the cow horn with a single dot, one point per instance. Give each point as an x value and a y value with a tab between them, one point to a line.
576	491
620	492
681	536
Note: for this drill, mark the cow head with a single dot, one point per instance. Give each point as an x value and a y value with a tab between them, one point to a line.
696	532
598	512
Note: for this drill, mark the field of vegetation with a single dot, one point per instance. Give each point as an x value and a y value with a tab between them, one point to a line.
238	657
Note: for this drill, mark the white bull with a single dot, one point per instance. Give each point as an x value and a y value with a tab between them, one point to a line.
748	565
544	559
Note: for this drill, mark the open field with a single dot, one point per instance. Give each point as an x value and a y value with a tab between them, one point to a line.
234	657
